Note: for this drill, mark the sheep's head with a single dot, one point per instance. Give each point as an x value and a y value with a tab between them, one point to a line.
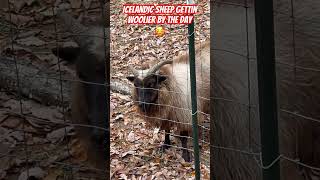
146	85
89	59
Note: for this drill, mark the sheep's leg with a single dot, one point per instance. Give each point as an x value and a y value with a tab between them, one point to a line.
166	144
184	143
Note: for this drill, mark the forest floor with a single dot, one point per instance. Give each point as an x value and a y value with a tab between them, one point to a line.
44	143
135	148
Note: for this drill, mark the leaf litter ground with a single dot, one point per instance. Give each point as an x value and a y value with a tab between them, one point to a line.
44	143
135	149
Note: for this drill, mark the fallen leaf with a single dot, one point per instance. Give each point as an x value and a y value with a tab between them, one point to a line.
193	173
35	172
11	122
18	135
157	160
75	4
18	20
64	5
59	134
119	117
52	175
123	176
19	5
86	3
31	41
3	174
127	153
4	5
186	164
131	137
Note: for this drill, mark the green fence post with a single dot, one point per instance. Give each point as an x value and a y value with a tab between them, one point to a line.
194	99
267	88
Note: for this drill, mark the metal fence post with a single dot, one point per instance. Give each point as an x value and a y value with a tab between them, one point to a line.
267	88
194	99
212	149
193	83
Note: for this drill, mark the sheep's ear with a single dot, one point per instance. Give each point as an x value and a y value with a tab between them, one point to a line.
131	78
161	78
69	54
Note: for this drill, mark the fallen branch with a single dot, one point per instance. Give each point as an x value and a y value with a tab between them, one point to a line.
41	85
120	88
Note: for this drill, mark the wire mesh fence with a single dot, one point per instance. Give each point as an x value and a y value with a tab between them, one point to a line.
50	101
147	133
39	139
236	135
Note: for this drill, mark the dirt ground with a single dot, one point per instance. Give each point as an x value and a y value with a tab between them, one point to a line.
42	141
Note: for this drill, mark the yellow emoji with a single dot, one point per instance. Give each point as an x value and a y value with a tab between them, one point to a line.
160	31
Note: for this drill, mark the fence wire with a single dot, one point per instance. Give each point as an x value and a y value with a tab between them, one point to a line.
290	13
29	161
145	42
70	169
58	155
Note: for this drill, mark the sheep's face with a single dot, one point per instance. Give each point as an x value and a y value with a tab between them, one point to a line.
146	90
90	68
89	104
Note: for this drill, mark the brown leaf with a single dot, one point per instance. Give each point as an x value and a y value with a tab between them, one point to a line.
47	57
87	3
18	135
53	175
131	137
64	5
127	153
78	150
35	172
75	4
11	122
119	117
4	5
123	176
59	134
157	160
18	5
46	13
18	20
31	41
3	174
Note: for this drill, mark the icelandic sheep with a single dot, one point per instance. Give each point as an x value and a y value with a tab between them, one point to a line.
89	106
162	94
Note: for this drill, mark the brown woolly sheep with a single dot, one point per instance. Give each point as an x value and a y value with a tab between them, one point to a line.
89	100
162	94
298	85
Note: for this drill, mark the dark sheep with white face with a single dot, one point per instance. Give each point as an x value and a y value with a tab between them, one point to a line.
147	86
162	95
147	90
